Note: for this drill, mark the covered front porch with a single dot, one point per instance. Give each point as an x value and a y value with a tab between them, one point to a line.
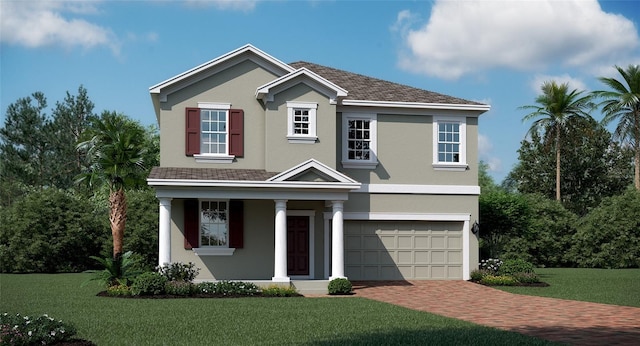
278	208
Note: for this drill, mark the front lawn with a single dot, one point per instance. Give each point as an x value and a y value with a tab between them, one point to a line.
607	286
236	321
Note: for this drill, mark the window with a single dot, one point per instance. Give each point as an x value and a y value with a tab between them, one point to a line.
449	150
213	223
301	122
213	227
359	132
214	132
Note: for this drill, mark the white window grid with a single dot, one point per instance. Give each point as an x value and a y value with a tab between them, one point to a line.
448	142
359	139
301	121
214	227
213	133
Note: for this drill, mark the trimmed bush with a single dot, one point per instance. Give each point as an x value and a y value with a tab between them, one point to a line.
478	274
179	271
513	266
119	290
340	286
228	288
149	283
43	330
279	291
526	278
491	265
499	280
180	288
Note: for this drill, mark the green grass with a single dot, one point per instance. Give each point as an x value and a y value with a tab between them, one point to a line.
238	321
607	286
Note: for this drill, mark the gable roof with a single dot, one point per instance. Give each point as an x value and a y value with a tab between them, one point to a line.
313	165
364	88
302	75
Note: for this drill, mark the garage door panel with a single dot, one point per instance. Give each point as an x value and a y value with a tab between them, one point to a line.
395	250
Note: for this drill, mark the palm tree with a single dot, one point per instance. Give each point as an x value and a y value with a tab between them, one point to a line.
622	104
555	110
114	148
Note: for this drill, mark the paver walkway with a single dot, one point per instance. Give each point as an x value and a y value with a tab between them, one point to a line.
566	321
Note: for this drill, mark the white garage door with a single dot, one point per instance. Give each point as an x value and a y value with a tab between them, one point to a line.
390	250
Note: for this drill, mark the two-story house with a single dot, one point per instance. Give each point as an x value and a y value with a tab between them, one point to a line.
278	172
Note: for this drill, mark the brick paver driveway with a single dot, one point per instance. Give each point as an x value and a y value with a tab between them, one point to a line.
567	321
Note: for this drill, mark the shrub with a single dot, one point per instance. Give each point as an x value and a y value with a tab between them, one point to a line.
43	330
180	288
149	283
512	266
179	271
119	290
478	274
279	291
228	288
120	271
340	286
492	265
498	280
526	278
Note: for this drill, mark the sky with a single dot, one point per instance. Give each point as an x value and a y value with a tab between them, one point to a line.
496	52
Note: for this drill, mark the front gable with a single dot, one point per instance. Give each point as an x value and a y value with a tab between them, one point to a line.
312	171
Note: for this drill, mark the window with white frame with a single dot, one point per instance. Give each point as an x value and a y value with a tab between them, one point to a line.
213	132
214	227
359	140
301	122
449	147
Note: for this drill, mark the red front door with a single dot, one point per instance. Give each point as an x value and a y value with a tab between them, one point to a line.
297	245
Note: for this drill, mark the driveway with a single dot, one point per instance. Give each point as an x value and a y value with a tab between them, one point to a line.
566	321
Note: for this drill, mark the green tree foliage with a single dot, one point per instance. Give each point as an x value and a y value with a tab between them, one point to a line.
114	146
554	111
594	166
142	226
486	182
609	237
502	215
49	230
622	104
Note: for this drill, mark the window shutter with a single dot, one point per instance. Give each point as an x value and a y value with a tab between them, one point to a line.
192	127
191	224
236	224
236	132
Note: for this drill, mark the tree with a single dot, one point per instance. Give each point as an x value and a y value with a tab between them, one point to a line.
484	179
594	167
114	146
502	215
555	109
622	104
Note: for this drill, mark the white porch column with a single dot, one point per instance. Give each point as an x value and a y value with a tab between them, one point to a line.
280	250
164	236
337	241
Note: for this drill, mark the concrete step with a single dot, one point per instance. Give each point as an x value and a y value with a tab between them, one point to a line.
311	286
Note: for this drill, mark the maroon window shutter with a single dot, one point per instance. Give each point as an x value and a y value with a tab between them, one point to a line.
192	128
191	224
236	224
236	132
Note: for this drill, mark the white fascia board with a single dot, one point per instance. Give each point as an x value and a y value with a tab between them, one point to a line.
252	184
157	89
262	194
382	216
419	189
418	105
263	91
309	164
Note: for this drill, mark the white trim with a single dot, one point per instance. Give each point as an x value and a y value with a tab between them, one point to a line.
466	251
419	189
267	91
421	105
312	107
401	216
214	105
461	165
373	140
213	251
312	229
214	158
254	184
313	164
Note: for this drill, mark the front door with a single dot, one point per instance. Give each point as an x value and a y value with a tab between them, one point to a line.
297	245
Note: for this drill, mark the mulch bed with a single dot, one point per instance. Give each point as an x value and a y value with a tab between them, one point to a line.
199	295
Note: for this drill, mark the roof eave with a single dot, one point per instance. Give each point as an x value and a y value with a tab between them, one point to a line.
417	105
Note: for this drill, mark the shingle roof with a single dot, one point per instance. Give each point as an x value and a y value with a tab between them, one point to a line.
366	88
179	173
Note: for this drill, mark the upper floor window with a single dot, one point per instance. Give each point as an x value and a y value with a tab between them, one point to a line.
359	133
214	132
301	122
449	147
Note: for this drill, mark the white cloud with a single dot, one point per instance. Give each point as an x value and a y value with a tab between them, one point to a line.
37	24
485	152
463	37
574	83
236	5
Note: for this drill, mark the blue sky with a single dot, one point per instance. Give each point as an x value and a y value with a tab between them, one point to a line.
496	52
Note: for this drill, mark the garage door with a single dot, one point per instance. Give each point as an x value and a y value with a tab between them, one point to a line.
388	250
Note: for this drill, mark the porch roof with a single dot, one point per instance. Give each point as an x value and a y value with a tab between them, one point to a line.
183	173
